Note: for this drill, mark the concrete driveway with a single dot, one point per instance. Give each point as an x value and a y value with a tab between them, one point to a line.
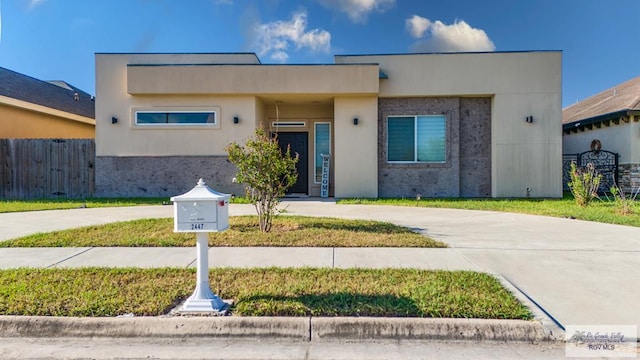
580	273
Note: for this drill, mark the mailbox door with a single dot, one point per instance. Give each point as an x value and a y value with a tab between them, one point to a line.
196	216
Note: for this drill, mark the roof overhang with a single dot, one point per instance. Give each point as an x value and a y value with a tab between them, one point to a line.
605	119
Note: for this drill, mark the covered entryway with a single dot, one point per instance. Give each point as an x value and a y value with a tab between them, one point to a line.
299	143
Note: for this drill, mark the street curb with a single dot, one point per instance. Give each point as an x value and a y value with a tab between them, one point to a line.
167	327
428	329
277	328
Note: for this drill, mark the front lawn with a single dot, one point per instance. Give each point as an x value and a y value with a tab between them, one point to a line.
243	231
260	292
603	211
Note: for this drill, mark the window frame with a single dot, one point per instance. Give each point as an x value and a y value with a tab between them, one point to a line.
415	139
315	149
175	109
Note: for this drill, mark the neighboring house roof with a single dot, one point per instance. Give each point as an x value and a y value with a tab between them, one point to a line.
57	95
611	104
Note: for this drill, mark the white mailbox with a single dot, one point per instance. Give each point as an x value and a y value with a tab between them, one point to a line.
201	210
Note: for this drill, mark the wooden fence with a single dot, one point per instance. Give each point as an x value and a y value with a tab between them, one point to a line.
46	168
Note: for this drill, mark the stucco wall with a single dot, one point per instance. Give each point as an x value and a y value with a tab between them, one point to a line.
467	170
355	155
17	123
623	139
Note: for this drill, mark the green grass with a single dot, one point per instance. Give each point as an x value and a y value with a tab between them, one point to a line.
600	210
48	204
243	231
260	292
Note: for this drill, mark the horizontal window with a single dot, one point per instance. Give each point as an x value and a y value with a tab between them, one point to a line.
416	139
206	118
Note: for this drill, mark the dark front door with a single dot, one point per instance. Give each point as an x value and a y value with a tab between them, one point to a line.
299	144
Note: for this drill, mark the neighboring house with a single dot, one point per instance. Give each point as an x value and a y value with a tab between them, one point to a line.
438	125
36	109
610	120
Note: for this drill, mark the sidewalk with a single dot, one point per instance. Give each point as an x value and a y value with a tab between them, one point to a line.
579	272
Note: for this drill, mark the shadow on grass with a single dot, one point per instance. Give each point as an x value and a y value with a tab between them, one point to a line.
336	304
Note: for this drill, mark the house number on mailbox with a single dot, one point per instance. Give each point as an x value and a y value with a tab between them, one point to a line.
197	226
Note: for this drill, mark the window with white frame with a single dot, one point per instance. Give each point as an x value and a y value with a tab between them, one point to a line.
322	146
175	118
414	139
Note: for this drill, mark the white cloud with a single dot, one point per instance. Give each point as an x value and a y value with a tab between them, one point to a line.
34	3
274	38
358	10
455	37
417	25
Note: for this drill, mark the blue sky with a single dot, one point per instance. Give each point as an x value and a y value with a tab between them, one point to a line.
57	39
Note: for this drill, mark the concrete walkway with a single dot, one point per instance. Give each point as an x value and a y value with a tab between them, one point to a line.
579	272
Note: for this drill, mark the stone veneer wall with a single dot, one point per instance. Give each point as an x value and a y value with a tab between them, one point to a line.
162	176
475	147
629	177
467	170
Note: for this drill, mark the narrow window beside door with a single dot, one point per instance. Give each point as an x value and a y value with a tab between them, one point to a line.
322	146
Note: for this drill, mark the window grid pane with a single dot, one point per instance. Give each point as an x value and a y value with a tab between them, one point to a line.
401	139
431	132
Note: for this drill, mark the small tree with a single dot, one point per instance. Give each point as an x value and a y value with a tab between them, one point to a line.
266	171
584	183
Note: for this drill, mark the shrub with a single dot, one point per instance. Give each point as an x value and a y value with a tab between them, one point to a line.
624	203
584	183
266	171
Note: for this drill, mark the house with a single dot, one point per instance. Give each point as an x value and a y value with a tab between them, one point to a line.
36	109
608	121
438	125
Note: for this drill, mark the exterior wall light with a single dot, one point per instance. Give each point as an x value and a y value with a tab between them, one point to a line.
114	120
236	119
355	121
529	119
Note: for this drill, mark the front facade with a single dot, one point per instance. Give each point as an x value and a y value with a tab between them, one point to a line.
437	125
36	109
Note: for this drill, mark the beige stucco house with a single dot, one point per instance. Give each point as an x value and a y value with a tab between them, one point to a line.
438	125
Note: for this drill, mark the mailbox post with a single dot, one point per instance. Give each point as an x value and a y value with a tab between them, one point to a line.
202	210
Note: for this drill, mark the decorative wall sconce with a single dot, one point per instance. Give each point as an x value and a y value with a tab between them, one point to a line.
236	119
355	121
114	120
529	119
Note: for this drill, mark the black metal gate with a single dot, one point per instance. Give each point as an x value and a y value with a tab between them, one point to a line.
605	163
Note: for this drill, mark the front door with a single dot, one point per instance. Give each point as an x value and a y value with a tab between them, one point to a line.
298	141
